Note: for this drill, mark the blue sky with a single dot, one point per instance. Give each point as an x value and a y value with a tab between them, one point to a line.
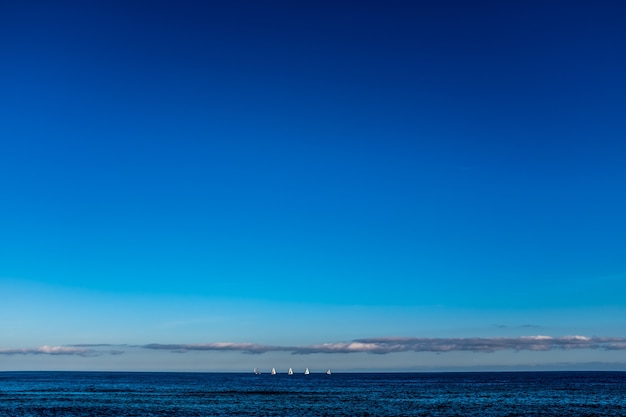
292	174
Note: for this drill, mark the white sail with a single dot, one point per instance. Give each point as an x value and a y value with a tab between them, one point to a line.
328	372
290	371
306	371
256	371
273	371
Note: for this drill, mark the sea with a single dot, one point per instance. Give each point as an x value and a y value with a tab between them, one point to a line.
340	394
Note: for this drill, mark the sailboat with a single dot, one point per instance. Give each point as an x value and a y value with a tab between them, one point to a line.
290	372
273	371
256	371
328	372
306	371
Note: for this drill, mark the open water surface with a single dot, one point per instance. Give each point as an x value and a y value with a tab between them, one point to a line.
545	394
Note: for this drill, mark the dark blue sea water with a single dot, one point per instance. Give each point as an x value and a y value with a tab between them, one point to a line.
396	394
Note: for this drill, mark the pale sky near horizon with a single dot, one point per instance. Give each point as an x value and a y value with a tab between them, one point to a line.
350	185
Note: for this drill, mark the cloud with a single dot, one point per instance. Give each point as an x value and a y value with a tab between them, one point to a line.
532	343
384	345
58	350
380	346
242	347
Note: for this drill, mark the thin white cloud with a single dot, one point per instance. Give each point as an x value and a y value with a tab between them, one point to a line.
384	345
58	350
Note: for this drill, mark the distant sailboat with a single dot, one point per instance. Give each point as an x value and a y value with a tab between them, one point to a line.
273	371
256	371
328	372
306	371
290	372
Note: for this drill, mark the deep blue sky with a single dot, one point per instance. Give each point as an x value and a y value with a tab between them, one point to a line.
445	168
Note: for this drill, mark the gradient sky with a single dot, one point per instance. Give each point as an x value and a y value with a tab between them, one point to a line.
293	174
